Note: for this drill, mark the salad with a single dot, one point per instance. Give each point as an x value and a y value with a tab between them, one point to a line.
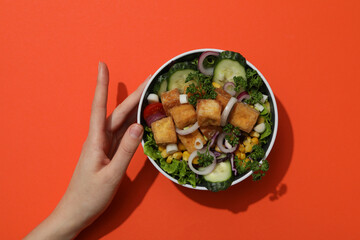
208	121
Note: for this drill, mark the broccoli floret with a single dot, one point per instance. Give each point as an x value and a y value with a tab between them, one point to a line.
255	97
257	176
252	82
203	90
255	82
264	166
253	79
240	83
257	153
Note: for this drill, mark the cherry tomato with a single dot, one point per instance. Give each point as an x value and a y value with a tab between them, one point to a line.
153	108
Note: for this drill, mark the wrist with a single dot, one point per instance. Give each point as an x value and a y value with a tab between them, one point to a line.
60	224
63	225
67	219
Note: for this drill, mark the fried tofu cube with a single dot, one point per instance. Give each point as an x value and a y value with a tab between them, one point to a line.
243	116
210	131
164	131
208	112
183	115
170	99
189	140
222	97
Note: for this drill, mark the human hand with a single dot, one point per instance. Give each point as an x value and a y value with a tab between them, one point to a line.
104	158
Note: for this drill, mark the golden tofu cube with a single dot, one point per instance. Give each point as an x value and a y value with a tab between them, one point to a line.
243	116
208	112
209	131
164	131
170	99
189	140
222	97
183	115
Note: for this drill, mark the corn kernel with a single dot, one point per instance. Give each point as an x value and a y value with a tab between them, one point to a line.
242	156
248	138
261	120
248	148
177	155
241	148
254	134
181	147
216	85
185	155
247	159
169	159
217	149
255	140
238	155
196	160
246	142
251	106
161	148
164	154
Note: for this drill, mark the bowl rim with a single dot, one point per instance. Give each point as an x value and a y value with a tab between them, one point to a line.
276	121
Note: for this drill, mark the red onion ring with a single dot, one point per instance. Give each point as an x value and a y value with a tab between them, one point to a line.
227	110
217	154
212	141
230	91
205	170
220	143
233	165
206	71
227	144
153	118
188	130
243	96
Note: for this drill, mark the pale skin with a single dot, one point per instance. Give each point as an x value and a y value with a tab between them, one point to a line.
104	158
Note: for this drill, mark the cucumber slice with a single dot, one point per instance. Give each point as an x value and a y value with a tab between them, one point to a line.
161	84
177	80
219	179
163	87
178	74
229	65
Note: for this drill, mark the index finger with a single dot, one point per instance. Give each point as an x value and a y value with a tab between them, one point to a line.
98	108
121	112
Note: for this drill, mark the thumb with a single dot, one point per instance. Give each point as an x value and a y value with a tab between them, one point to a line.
128	145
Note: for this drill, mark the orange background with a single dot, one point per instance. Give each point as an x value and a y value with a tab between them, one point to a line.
307	50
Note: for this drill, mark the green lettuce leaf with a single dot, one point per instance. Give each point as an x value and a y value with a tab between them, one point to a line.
179	170
169	167
152	152
267	131
150	146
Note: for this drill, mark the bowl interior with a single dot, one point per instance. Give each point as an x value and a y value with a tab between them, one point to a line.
188	56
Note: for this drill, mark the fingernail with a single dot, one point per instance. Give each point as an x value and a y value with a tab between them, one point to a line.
99	66
136	131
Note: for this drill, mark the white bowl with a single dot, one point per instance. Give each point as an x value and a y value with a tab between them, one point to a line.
271	98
